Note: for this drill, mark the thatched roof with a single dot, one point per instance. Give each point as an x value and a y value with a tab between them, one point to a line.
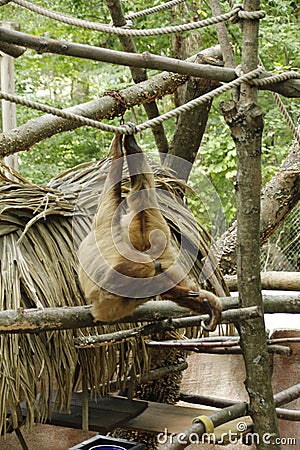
40	228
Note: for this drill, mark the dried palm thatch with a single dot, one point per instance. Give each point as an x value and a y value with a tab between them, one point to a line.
40	228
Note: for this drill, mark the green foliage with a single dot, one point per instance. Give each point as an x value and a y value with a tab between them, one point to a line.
279	36
216	161
63	81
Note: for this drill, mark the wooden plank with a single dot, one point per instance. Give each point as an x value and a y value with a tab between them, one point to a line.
105	414
100	420
159	417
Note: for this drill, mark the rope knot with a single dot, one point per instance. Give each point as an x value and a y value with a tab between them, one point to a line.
236	10
128	128
250	15
120	103
240	13
127	25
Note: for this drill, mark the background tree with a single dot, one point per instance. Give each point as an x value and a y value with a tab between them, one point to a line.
63	81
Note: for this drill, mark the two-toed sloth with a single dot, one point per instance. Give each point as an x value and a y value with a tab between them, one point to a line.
128	257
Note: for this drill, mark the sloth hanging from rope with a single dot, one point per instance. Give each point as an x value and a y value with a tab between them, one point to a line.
128	257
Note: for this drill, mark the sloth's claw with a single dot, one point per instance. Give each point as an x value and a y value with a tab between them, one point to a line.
203	302
205	326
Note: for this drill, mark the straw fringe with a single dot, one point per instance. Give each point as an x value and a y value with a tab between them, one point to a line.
40	228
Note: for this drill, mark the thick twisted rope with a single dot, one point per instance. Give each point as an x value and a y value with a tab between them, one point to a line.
286	115
56	111
198	101
291	74
125	129
154	9
120	31
279	78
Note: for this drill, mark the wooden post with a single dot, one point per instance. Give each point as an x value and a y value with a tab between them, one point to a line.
9	120
248	134
245	119
85	401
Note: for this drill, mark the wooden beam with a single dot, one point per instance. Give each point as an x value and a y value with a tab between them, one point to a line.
273	280
36	320
289	88
145	60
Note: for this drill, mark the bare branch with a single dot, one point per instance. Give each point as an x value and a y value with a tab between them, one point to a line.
35	130
288	395
281	398
289	88
12	50
285	281
39	320
190	126
222	35
145	60
186	437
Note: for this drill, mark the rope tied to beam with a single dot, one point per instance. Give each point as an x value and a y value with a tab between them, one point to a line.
234	14
121	104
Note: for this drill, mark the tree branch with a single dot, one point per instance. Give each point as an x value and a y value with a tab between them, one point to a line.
187	437
145	60
281	398
280	195
158	327
12	50
39	320
231	347
35	130
287	396
190	126
222	35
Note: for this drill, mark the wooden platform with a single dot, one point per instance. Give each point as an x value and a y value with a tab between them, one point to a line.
111	412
